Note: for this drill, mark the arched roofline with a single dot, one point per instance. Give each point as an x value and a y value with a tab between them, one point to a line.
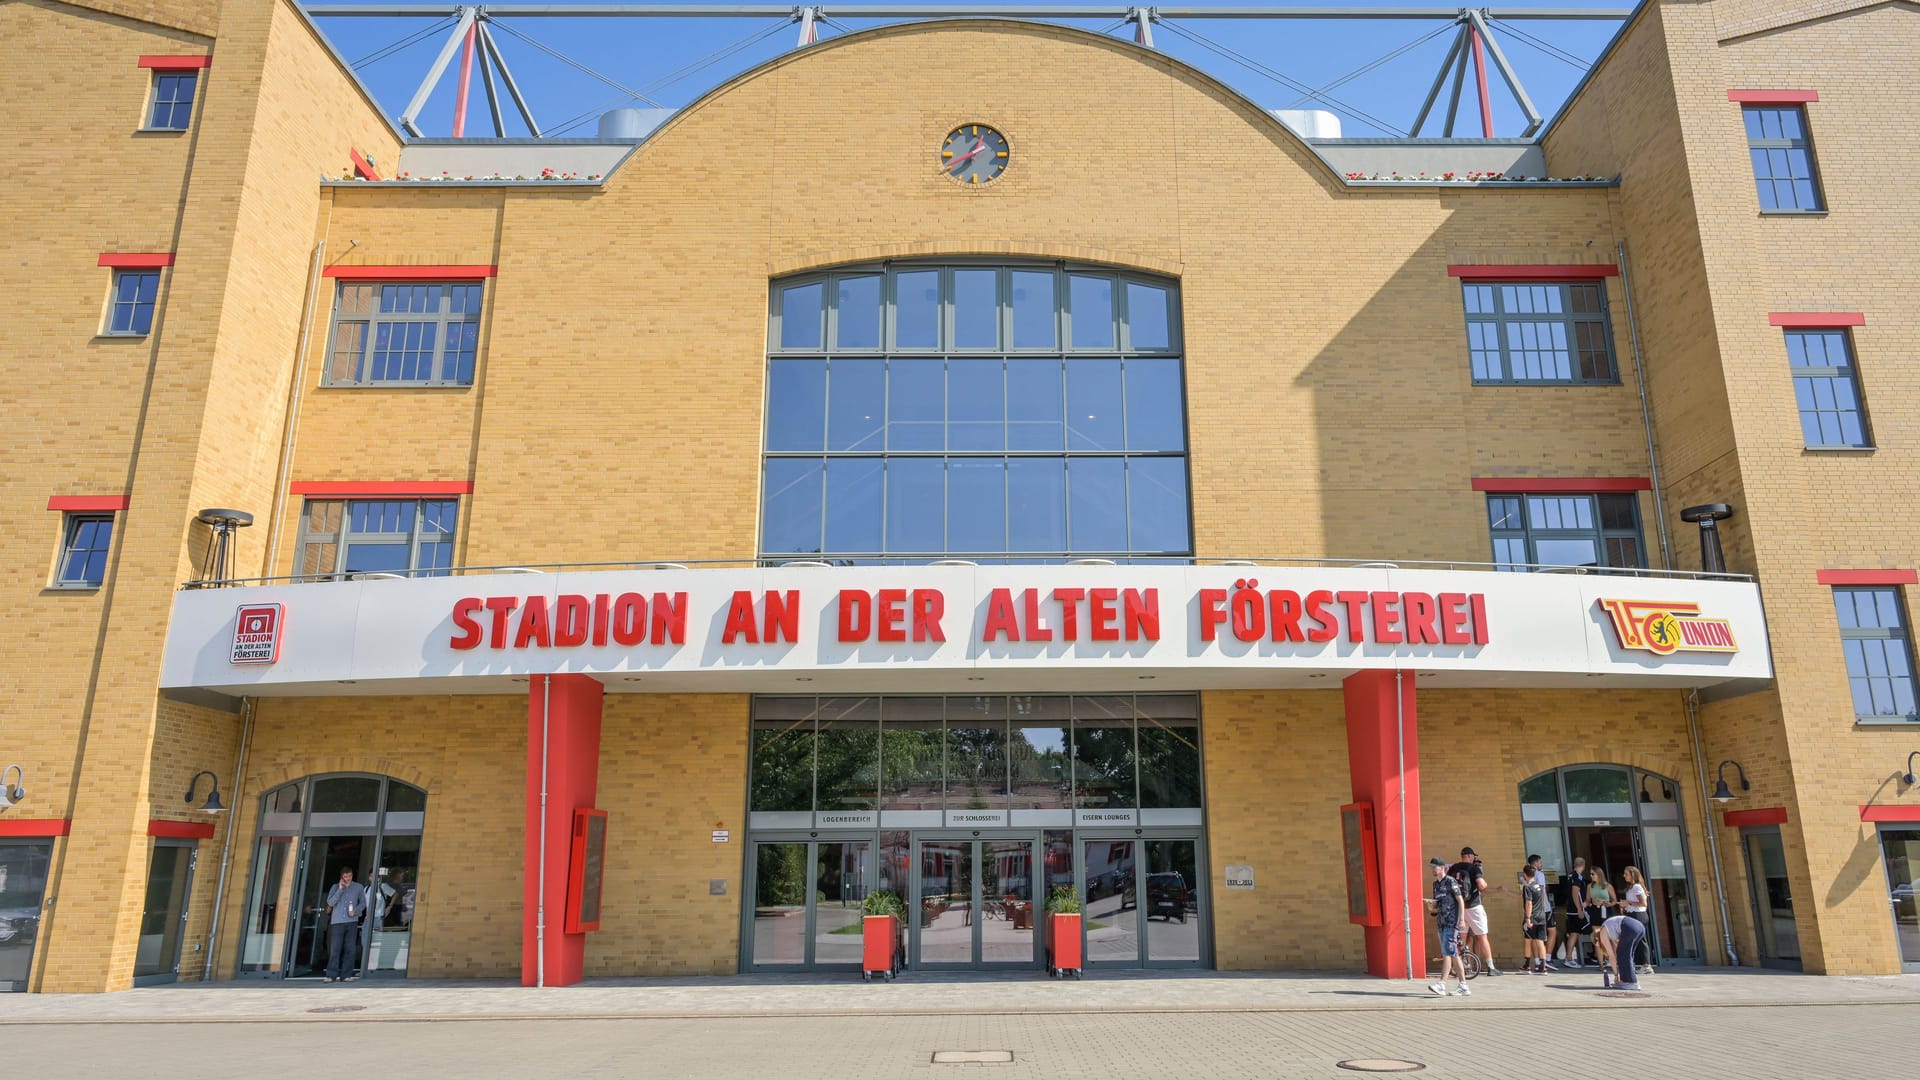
1259	116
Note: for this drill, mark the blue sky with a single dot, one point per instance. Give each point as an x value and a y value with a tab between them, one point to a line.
655	55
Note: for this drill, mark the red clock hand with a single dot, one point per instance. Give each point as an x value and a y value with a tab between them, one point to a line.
964	158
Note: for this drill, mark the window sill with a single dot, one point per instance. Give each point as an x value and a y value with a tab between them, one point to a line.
395	386
1884	722
1547	385
1794	213
1839	449
120	337
74	587
160	131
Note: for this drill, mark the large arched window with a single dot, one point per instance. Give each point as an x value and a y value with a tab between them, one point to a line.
1006	413
312	829
1615	816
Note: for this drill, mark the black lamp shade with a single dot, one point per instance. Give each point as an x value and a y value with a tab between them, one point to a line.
213	805
1721	793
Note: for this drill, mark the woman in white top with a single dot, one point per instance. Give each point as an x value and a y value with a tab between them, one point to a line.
1634	903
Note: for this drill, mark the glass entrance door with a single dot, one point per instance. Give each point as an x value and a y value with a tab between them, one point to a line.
975	902
320	866
164	919
1901	849
808	898
1141	902
1779	935
23	881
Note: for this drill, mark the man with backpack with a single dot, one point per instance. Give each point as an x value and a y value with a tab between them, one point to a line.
1473	884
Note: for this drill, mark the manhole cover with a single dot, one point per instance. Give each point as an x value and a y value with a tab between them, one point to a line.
973	1057
1624	994
336	1008
1380	1065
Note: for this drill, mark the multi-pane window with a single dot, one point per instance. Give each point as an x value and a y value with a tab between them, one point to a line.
1003	413
134	291
1879	665
83	552
358	536
172	100
1520	332
1826	388
1565	530
1782	158
412	334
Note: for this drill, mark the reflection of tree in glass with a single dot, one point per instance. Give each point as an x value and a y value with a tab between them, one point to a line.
977	764
1169	766
911	757
1103	769
1041	772
783	767
781	880
1597	786
849	767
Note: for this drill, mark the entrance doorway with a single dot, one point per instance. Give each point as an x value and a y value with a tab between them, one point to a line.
1778	935
311	830
163	921
807	902
975	903
1141	901
1614	817
23	882
1900	847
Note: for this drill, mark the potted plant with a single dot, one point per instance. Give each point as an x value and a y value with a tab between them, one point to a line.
882	934
1063	931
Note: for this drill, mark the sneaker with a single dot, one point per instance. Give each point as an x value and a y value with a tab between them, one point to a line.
1439	989
1644	969
1571	962
1464	991
1547	965
1493	971
1627	986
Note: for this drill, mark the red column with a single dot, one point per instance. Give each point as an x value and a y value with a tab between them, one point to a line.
1380	731
566	710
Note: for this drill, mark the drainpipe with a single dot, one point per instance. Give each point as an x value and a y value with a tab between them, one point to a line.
296	392
1713	839
1646	411
1400	747
540	910
226	848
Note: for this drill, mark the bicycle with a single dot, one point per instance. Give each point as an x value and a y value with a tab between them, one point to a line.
1469	960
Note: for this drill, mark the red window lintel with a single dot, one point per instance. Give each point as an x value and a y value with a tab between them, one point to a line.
1816	320
85	503
1890	813
409	273
1533	272
1868	577
35	826
380	489
1579	485
1766	815
136	260
1773	97
180	830
175	63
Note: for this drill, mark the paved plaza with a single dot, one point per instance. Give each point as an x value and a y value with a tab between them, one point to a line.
1754	1025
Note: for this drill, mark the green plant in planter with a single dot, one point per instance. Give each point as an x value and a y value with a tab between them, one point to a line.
1062	900
884	902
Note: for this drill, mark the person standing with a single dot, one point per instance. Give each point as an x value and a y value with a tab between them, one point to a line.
1615	941
1634	903
1546	891
1600	899
1535	917
1473	886
346	906
1449	910
1576	901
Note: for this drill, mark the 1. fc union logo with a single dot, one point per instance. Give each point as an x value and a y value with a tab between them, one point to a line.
1662	627
256	634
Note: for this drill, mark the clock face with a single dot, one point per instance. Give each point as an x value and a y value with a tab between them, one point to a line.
974	154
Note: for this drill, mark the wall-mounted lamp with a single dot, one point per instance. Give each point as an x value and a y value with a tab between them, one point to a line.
11	793
1720	792
1908	779
213	805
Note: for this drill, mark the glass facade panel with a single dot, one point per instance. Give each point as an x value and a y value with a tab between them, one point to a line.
409	334
1873	637
847	754
782	765
1565	530
1104	773
1009	456
1538	333
1782	155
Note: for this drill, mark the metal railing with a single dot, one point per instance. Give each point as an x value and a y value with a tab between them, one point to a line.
799	561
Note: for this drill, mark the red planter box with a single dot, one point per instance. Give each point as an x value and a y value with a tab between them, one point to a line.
1063	942
881	945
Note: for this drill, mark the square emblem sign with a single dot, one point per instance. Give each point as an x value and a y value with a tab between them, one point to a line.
256	633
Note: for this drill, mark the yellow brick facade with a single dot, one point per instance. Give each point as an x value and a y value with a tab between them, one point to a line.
616	416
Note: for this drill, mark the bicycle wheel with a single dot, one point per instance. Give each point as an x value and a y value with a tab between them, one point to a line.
1471	962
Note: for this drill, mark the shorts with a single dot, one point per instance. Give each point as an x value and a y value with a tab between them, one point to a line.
1576	924
1450	941
1537	931
1477	920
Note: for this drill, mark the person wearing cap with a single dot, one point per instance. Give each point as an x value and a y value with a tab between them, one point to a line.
1449	907
1473	885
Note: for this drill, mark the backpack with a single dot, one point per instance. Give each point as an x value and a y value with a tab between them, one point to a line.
1468	886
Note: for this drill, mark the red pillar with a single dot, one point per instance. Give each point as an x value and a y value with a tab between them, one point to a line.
1381	729
567	707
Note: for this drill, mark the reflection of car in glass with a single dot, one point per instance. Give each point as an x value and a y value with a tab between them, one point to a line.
1167	895
21	924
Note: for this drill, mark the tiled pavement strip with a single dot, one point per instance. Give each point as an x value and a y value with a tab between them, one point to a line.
1755	1026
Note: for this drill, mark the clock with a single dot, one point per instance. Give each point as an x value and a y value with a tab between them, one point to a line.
974	154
